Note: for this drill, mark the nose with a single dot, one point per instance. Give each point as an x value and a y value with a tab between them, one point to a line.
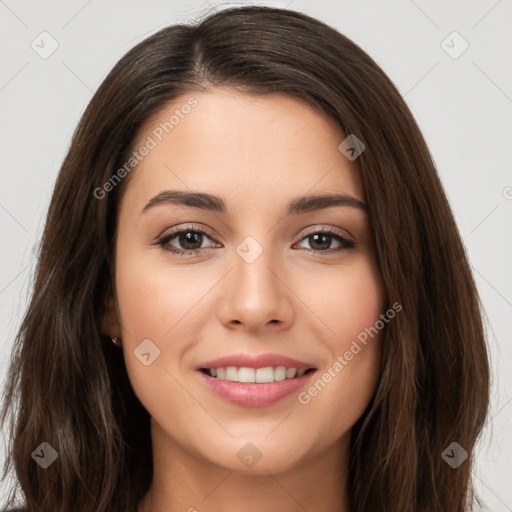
257	295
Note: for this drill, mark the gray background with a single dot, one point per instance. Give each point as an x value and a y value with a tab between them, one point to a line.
463	104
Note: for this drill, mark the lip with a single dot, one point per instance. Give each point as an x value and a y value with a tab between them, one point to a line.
254	394
255	361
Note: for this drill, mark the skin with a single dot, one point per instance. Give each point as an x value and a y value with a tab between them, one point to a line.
257	153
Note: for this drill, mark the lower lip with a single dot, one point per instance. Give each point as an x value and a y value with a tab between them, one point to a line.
255	394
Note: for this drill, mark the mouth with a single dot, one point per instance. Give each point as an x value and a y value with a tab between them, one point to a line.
255	381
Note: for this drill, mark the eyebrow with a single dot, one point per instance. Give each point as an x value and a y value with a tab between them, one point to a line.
216	204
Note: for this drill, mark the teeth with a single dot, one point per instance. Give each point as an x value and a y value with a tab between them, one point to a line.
290	373
264	374
231	373
260	375
246	375
280	373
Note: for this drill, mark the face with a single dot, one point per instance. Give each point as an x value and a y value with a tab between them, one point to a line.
240	278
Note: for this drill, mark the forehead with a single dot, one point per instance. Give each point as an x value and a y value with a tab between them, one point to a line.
242	147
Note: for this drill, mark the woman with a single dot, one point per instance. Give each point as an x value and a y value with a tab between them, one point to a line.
251	292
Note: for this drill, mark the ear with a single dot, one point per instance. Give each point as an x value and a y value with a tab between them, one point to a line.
110	322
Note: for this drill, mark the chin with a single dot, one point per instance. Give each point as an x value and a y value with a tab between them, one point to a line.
255	454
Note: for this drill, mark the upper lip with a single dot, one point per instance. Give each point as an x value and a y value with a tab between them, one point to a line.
255	361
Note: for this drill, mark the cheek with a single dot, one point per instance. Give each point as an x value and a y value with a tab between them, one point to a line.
348	300
358	304
163	304
149	308
154	300
347	381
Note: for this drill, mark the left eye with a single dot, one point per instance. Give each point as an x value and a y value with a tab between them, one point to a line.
323	239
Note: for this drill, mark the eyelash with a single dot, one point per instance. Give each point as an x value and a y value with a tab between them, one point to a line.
345	243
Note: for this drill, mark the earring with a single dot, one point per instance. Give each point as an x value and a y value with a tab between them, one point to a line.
115	342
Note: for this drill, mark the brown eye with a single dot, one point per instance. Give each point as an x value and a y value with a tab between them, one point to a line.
185	241
321	241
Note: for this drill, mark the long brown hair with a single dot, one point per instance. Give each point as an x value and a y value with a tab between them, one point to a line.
67	384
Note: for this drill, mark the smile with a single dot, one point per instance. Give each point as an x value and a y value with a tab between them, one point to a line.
250	393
